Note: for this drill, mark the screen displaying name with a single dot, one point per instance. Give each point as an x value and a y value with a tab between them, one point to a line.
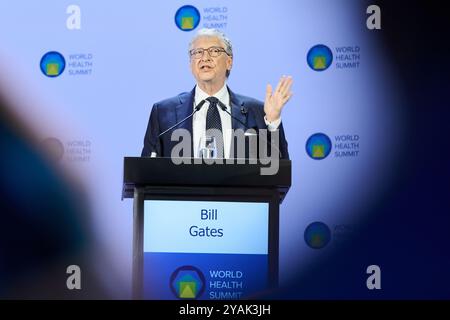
205	249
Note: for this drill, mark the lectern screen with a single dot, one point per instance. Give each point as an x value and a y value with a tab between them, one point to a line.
205	249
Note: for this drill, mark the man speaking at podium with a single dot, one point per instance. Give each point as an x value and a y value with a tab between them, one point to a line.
211	107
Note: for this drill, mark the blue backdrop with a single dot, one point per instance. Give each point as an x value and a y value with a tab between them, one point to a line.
84	75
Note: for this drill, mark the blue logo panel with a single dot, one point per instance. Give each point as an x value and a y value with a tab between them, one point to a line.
319	57
318	146
317	235
187	18
186	276
52	64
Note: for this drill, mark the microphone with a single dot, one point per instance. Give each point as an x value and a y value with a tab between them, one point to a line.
244	111
197	108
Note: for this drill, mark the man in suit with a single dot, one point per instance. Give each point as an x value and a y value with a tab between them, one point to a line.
222	110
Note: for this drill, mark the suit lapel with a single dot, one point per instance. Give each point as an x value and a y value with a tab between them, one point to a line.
238	111
183	110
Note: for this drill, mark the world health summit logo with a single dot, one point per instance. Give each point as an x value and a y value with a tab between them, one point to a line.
54	148
319	57
187	282
187	18
317	235
52	64
318	146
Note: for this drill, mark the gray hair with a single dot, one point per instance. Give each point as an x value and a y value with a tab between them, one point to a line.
205	32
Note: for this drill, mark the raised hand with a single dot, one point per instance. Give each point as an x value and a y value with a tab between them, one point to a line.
276	100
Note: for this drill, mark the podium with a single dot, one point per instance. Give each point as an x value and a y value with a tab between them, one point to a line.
204	231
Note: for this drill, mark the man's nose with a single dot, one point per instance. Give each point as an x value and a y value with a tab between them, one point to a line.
205	56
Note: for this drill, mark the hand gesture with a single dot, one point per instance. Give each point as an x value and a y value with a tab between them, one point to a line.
276	100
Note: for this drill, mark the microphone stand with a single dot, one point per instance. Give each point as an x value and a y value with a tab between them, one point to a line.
197	108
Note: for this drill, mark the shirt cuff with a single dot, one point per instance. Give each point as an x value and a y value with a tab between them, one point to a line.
272	126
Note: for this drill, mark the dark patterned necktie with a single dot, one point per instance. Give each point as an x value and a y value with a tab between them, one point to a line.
214	124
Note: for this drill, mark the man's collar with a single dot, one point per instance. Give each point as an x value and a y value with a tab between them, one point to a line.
222	94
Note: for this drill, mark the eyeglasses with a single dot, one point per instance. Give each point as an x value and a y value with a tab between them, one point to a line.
212	51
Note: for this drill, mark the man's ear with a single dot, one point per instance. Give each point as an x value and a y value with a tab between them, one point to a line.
229	63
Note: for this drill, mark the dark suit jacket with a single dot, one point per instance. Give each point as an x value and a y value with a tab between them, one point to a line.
168	112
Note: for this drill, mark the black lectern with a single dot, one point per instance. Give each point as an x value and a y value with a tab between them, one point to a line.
204	231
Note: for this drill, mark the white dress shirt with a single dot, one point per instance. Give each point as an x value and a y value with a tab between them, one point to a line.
199	120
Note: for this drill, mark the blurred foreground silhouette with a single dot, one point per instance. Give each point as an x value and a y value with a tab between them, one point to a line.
44	224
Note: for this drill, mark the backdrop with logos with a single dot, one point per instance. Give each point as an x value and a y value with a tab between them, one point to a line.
85	75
